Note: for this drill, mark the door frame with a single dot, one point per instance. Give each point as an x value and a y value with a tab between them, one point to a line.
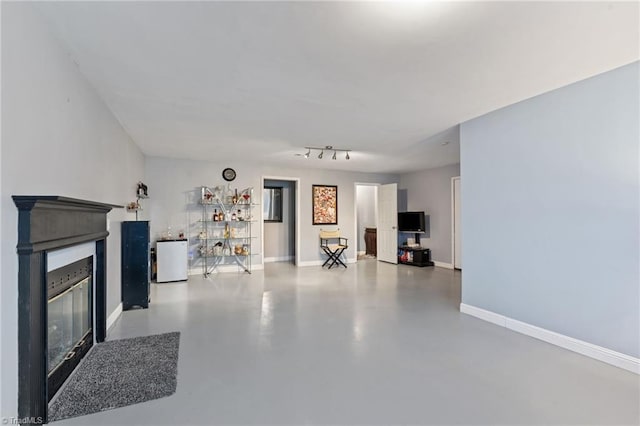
355	209
453	221
296	180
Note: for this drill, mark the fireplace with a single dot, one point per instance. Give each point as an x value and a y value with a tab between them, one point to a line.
69	320
62	309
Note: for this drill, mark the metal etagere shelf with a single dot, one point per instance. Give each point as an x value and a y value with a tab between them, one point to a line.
226	228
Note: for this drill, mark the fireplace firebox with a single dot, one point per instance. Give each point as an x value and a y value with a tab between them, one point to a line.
69	320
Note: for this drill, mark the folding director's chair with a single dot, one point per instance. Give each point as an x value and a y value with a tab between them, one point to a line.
333	250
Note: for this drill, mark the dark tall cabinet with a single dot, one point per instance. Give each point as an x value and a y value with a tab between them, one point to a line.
135	264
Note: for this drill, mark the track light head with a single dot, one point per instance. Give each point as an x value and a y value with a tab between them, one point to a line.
321	151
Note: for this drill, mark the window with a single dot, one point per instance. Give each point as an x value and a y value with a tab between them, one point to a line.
272	196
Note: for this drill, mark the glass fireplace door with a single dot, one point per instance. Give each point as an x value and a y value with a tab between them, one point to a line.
69	321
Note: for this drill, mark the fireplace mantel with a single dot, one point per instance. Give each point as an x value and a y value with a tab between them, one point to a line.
48	223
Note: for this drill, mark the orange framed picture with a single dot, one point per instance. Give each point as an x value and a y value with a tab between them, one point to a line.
325	204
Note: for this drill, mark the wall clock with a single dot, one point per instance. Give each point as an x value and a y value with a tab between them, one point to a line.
228	174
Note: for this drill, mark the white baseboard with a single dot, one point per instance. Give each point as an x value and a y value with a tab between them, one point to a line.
599	353
320	262
311	263
489	316
278	259
114	316
226	269
443	264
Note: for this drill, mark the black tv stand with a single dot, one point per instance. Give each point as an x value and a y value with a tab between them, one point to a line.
414	256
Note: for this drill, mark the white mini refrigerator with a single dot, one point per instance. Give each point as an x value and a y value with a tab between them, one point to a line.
171	259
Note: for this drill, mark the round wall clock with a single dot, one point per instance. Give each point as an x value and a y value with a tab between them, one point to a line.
228	174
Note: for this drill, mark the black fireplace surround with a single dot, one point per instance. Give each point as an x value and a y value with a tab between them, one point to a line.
47	223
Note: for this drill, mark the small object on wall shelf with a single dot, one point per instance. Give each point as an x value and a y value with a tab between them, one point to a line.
225	236
142	192
133	206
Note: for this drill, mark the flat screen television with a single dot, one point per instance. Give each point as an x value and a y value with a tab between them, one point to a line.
411	222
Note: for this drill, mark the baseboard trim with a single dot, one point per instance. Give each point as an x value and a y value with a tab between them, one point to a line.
310	263
226	269
320	262
114	316
278	259
488	316
590	350
443	264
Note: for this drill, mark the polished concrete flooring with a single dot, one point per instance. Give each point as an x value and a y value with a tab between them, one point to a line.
374	344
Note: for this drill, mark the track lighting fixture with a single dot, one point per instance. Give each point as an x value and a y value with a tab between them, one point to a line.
326	148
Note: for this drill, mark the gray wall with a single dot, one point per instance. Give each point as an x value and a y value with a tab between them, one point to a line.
175	190
279	237
366	202
58	138
550	213
430	191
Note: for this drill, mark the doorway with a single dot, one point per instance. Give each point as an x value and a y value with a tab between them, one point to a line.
280	207
366	214
456	223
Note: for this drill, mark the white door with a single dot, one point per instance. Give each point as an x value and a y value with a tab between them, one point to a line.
457	229
388	223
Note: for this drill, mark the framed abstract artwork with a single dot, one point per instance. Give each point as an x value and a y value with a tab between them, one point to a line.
325	204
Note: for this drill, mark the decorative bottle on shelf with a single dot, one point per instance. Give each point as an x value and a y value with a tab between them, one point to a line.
235	197
226	230
239	217
221	217
234	217
215	215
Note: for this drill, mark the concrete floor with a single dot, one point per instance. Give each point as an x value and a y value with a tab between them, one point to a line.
371	344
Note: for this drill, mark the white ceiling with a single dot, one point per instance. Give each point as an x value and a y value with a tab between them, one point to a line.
390	80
